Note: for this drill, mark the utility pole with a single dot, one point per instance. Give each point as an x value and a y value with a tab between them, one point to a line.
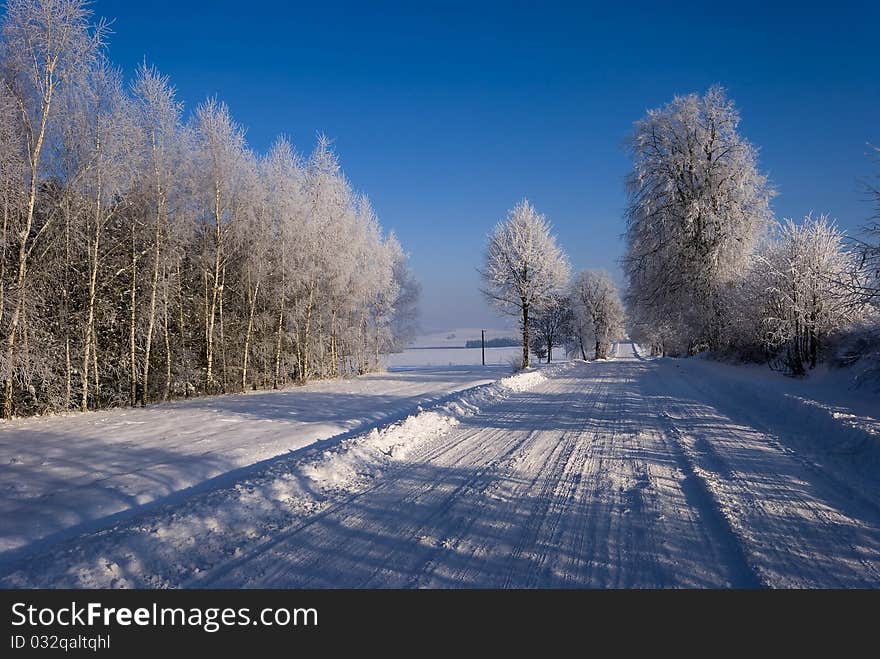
483	344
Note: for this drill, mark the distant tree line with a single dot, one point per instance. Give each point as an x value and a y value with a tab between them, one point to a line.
145	256
502	342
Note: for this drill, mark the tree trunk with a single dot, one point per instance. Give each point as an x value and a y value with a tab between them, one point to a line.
304	365
90	318
97	378
3	259
278	340
334	351
23	250
525	335
223	365
154	286
247	337
167	390
215	291
132	329
208	353
68	374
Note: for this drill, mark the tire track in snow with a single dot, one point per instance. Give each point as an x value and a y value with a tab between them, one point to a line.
699	494
461	450
541	464
795	525
551	487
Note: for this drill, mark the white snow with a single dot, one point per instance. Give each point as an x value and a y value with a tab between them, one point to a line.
425	357
459	336
628	472
161	547
62	473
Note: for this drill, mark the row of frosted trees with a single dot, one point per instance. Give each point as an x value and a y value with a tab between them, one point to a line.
145	257
708	266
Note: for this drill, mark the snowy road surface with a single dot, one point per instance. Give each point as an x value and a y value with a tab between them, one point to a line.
625	473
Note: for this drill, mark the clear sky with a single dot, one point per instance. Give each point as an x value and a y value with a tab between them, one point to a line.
447	114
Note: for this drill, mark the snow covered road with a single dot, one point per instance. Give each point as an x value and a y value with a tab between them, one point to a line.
625	473
616	474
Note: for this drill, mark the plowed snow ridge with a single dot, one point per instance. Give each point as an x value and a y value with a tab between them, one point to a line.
211	526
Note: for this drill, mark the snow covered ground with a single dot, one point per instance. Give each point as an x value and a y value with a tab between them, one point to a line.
62	474
629	472
430	357
458	337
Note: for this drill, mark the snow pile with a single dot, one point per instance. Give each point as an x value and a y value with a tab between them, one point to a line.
352	462
179	543
847	432
62	476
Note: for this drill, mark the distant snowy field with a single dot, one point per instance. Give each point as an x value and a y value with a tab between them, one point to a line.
458	337
435	357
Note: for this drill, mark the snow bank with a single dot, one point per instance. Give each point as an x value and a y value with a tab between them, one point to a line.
64	475
179	543
822	420
361	458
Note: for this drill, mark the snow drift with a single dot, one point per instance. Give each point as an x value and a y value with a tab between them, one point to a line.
174	545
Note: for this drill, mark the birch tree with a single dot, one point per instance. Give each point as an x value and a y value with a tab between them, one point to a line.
45	42
523	266
221	153
404	322
157	121
283	174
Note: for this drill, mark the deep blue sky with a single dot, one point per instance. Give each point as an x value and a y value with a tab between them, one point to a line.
447	115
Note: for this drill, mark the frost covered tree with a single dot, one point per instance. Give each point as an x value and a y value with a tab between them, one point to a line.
550	323
597	309
524	267
146	257
697	207
45	43
97	138
803	292
158	131
282	171
221	160
404	321
869	250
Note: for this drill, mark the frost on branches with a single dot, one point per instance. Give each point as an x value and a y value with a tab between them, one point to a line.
804	294
597	312
550	326
697	207
145	255
524	267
